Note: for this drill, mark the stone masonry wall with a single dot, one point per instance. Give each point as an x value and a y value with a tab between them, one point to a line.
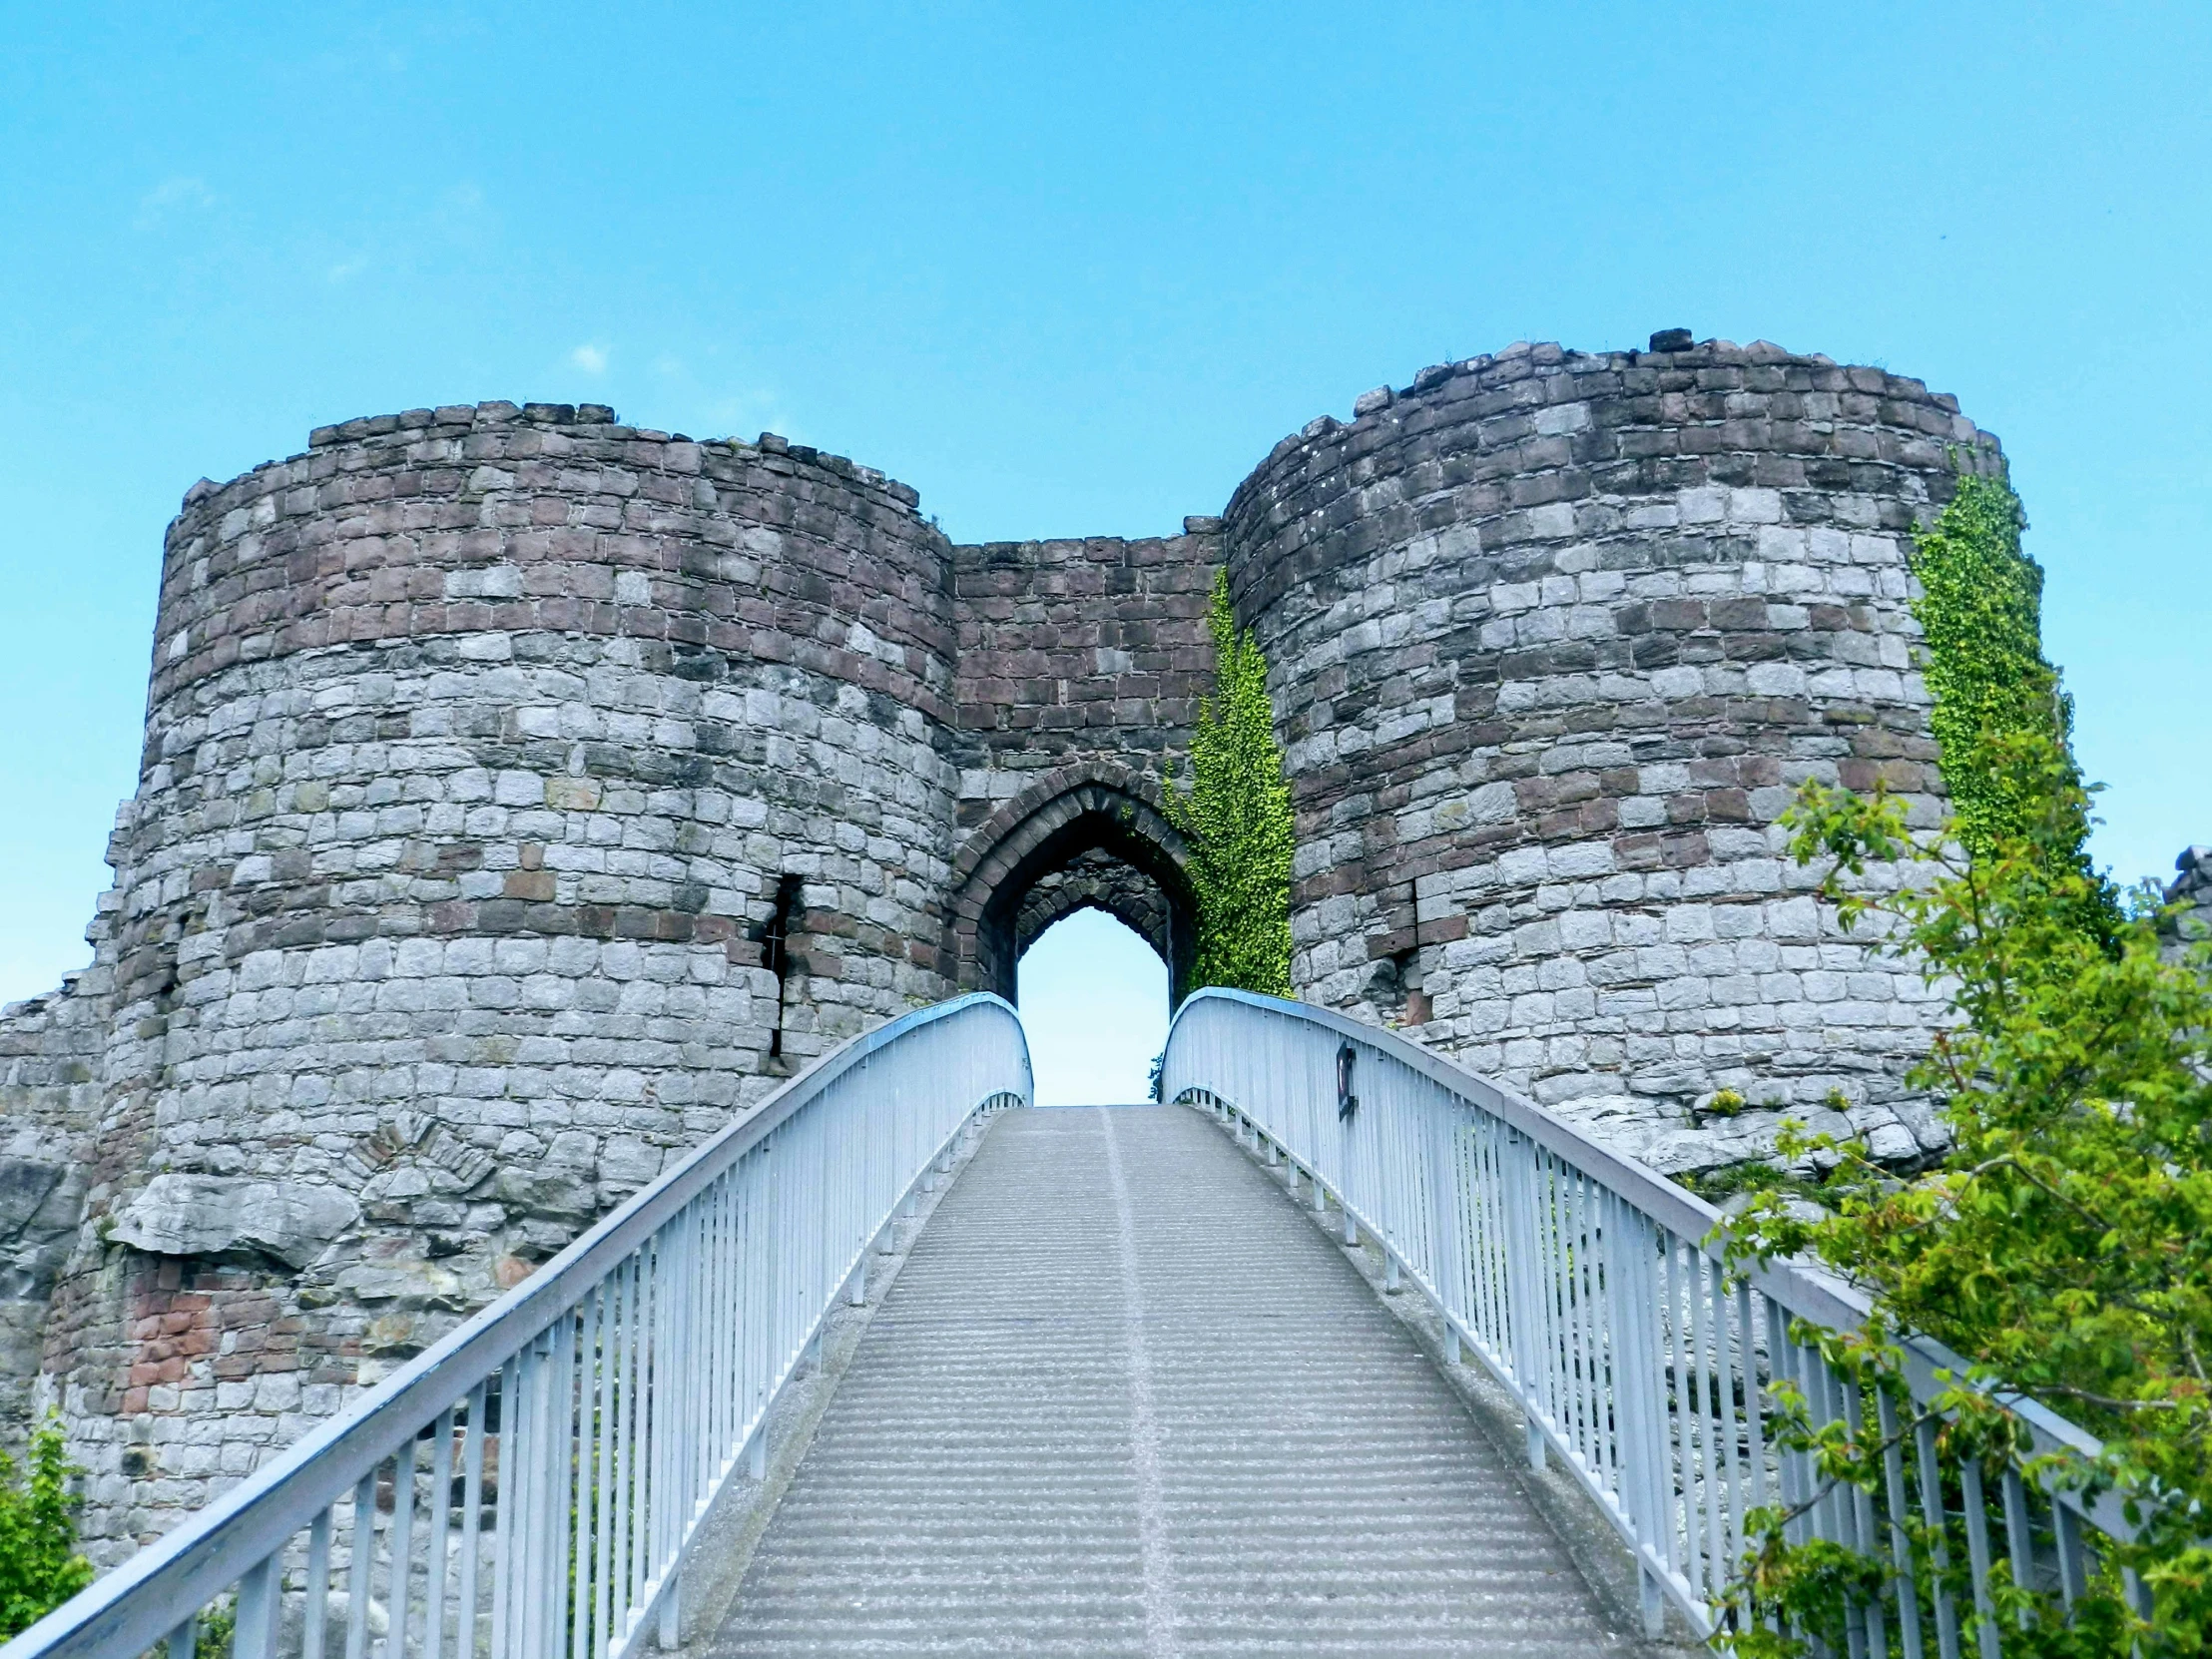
1075	651
1553	639
1080	666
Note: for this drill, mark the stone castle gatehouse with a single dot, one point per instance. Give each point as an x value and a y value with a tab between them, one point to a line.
524	792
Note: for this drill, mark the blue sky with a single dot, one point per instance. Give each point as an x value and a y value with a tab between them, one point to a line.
1070	270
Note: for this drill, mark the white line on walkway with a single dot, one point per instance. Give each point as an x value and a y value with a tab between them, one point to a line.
1160	1641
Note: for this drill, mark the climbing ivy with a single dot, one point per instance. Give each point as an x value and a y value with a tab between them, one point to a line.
1981	616
1235	817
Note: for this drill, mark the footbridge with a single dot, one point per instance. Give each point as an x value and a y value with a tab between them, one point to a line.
1343	1350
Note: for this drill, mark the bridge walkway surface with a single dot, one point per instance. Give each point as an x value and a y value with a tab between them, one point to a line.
1125	1399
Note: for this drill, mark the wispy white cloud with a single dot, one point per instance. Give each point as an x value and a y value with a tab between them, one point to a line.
346	270
180	195
592	360
746	412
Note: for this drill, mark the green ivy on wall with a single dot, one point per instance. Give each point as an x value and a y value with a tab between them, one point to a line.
1980	612
2001	717
1236	817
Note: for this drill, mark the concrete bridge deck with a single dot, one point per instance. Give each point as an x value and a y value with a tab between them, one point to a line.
1124	1399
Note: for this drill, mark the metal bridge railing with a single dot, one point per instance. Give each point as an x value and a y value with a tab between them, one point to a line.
528	1487
1583	1282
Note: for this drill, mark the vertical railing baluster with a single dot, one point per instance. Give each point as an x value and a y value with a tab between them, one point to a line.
622	1573
1452	1280
1633	1307
584	1445
1861	1505
603	1450
253	1634
2020	1538
434	1543
1595	1343
771	1255
1689	1560
1755	1437
1707	1419
527	1558
2073	1570
1609	1345
314	1594
399	1584
1979	1559
473	1520
1901	1542
1932	1516
1524	1292
1790	1465
359	1552
1729	1507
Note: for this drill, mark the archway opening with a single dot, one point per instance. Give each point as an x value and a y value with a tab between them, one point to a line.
1094	1001
1097	845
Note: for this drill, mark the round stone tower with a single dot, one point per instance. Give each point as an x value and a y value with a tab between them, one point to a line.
1554	638
522	792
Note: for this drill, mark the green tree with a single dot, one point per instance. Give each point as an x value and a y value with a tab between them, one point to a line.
2064	1243
1236	819
39	1564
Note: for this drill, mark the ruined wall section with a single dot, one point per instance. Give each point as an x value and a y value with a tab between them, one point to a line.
49	1050
2189	927
479	742
1554	636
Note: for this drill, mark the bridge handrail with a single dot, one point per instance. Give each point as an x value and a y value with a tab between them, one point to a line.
673	1286
1585	1284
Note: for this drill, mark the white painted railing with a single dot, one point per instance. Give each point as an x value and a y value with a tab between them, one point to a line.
528	1488
1584	1284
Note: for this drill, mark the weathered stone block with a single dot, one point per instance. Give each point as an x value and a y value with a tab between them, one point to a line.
207	1214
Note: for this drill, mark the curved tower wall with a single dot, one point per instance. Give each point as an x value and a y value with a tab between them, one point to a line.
1554	636
483	744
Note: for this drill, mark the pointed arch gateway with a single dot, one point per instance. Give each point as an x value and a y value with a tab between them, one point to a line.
1091	836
